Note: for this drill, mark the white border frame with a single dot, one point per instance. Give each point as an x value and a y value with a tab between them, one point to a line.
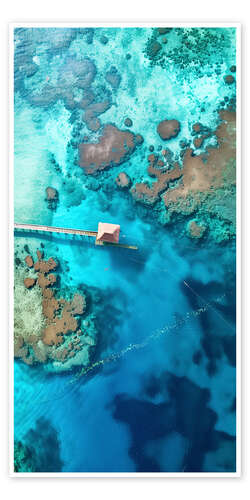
239	358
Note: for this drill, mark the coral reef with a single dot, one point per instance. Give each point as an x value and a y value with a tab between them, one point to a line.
187	48
114	147
205	182
203	174
47	327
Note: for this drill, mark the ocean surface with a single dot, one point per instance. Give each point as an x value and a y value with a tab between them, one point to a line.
164	397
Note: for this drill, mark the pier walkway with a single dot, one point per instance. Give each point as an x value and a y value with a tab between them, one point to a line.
79	232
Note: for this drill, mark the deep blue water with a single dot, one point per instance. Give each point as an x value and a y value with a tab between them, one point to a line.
168	403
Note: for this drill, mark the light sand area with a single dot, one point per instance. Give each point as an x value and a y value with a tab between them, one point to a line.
32	170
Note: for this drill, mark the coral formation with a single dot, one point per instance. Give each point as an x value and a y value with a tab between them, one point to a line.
203	174
29	282
114	147
147	194
229	79
113	78
123	180
23	459
168	129
195	230
204	183
47	327
52	197
128	122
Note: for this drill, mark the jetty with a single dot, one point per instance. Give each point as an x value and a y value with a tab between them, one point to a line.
106	235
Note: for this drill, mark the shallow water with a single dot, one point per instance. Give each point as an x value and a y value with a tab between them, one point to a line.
166	404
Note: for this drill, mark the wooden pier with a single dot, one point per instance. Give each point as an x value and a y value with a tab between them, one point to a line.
79	232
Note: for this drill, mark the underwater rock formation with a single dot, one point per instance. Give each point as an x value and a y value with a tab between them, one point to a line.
114	147
168	129
47	327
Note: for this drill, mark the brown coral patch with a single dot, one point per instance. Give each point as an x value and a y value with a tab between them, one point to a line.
92	112
45	266
113	148
198	141
29	261
196	230
123	180
168	129
147	194
203	174
78	304
29	282
229	79
53	333
50	306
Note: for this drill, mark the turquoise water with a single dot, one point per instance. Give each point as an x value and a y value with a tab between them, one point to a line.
166	404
